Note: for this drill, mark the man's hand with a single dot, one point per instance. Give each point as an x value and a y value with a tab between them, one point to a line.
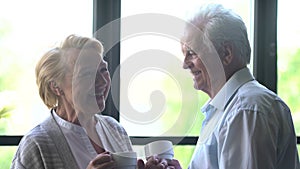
154	162
174	163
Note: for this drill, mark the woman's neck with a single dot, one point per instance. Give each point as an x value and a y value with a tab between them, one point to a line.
67	114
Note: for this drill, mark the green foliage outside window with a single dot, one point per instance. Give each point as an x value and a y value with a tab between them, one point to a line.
8	82
289	83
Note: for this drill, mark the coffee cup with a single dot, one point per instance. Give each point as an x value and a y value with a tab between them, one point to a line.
160	148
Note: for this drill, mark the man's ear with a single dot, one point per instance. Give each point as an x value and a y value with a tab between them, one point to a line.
228	54
55	89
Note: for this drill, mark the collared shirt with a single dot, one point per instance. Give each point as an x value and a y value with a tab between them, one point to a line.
78	141
246	126
113	137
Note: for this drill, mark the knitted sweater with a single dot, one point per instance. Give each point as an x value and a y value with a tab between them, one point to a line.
45	146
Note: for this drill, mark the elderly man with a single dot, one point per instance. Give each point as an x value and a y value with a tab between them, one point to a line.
246	125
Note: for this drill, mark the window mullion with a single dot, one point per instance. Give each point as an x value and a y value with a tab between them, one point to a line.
265	43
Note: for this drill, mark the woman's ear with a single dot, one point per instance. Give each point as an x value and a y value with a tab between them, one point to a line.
55	89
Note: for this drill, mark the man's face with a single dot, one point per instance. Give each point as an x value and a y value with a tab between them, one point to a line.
201	57
200	75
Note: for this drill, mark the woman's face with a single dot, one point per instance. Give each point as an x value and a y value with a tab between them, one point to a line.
89	83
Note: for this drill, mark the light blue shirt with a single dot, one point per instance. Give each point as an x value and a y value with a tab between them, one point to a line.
246	126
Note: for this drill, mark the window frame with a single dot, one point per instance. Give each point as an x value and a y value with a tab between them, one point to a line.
264	58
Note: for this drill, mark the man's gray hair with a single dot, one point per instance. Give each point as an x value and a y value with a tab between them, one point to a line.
218	26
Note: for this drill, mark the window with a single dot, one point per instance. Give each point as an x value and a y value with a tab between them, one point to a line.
27	30
288	36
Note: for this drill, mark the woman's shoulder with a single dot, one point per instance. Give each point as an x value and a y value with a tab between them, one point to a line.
37	135
35	149
31	143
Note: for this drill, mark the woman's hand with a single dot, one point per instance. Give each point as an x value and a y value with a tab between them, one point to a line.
102	161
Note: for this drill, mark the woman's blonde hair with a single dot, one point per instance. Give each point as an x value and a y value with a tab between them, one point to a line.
52	67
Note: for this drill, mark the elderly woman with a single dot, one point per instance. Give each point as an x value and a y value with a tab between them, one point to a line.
73	83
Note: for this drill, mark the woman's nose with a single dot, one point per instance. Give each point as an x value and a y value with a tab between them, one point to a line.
187	64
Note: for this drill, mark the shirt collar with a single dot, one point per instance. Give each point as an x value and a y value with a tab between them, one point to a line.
228	90
68	125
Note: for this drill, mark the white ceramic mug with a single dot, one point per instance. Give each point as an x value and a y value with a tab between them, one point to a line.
161	148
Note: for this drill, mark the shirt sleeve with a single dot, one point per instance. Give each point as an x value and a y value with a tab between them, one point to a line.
16	163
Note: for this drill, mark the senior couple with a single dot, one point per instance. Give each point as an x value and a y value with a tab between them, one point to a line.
246	126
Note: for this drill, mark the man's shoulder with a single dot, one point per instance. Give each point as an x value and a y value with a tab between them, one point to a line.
256	95
256	90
